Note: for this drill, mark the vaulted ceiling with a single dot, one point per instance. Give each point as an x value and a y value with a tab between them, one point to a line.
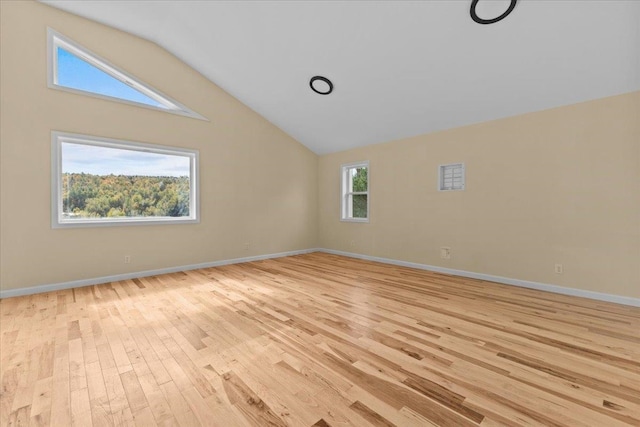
399	68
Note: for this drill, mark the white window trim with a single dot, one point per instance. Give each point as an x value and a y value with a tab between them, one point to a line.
57	138
344	180
440	177
55	40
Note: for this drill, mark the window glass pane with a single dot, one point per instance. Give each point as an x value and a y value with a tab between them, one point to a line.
110	182
359	205
359	179
75	73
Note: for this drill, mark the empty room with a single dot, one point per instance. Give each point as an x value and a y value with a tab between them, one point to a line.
320	213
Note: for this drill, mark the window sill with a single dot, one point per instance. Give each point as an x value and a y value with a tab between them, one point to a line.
122	222
360	220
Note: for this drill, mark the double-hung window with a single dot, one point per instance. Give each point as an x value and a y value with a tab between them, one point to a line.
355	192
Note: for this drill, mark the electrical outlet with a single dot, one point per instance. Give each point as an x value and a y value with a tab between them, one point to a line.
127	259
353	243
559	269
445	252
246	246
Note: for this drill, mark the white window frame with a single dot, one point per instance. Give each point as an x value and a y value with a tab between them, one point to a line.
55	40
57	220
441	170
346	187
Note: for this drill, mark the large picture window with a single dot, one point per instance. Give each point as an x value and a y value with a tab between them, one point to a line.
100	181
355	192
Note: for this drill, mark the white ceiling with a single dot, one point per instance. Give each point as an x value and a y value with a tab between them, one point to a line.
399	68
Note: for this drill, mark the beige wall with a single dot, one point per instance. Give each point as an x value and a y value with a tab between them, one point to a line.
557	186
258	185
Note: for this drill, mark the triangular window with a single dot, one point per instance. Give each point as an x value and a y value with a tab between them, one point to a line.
76	69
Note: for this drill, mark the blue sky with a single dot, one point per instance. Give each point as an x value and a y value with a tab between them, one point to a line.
78	158
75	73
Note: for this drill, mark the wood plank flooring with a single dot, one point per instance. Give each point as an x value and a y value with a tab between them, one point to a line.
316	340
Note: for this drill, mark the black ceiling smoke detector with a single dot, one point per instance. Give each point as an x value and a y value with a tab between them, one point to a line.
321	85
479	20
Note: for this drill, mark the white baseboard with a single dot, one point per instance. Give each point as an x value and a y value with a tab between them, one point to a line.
635	302
106	279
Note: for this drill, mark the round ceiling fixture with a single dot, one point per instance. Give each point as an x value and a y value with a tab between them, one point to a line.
321	85
479	20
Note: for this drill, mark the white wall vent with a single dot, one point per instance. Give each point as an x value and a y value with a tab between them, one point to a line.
451	177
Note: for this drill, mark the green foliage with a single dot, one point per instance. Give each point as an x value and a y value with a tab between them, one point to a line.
95	196
360	180
360	206
360	183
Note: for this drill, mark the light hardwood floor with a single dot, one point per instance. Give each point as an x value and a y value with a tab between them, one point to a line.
317	340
